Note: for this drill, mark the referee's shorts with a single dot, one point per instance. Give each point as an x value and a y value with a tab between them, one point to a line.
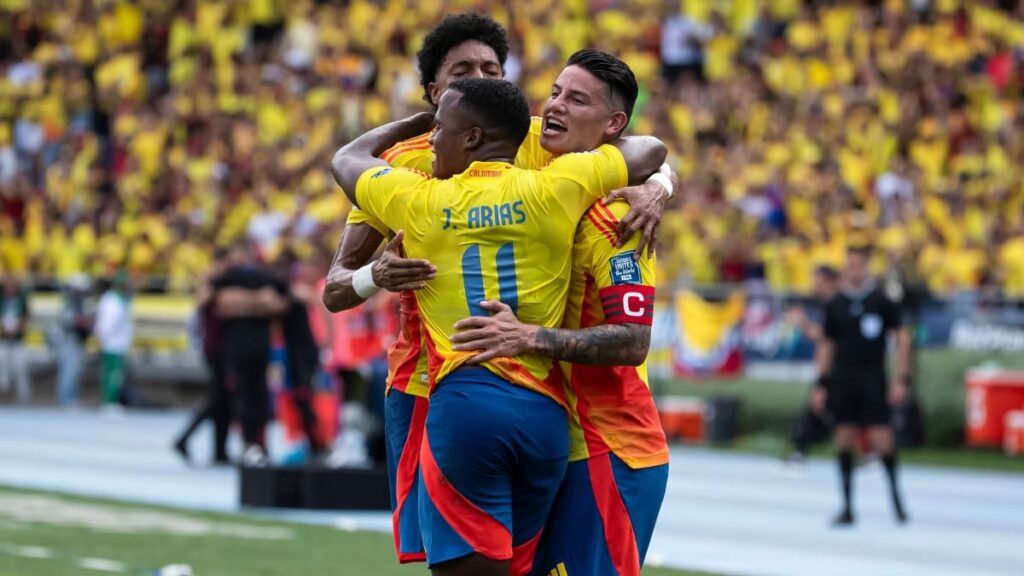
859	398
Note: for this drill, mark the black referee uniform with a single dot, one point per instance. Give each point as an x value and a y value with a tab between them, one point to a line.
857	323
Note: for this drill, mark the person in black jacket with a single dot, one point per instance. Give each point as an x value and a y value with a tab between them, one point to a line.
852	381
248	297
217	406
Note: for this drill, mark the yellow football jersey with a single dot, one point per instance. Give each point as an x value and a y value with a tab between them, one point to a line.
494	231
611	407
415	153
407	358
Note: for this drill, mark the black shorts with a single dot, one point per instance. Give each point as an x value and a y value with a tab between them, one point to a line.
862	400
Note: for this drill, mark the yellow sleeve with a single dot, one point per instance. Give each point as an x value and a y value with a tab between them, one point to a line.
578	180
385	193
357	216
420	159
624	280
416	153
531	155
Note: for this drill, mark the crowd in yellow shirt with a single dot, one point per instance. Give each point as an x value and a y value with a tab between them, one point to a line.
144	133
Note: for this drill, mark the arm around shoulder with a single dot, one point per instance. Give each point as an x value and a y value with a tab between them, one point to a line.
643	155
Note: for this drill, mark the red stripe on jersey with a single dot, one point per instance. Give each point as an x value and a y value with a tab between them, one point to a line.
606	213
601	227
523	555
404	354
408	468
418	143
480	530
434	361
628	304
552	384
618	527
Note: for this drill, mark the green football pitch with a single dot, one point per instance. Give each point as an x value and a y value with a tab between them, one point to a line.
48	534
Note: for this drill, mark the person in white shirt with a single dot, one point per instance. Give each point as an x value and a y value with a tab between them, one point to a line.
114	332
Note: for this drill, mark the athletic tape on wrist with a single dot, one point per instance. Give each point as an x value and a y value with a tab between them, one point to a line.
362	282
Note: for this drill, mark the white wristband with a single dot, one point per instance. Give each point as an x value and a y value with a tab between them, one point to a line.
662	177
362	282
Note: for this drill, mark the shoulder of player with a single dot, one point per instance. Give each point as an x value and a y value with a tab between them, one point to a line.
381	171
418	144
598	222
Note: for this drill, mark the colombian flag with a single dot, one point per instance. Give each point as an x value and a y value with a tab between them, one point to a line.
708	336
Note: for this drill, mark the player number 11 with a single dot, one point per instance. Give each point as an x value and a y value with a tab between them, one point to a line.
473	278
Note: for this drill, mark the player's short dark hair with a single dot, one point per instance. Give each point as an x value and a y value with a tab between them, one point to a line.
612	71
452	31
499	106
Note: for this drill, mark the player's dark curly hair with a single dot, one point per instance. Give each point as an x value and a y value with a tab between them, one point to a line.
499	106
612	71
452	31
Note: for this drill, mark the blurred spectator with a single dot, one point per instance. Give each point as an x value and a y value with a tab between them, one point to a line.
217	405
68	337
13	322
248	296
810	427
114	331
682	46
303	353
150	132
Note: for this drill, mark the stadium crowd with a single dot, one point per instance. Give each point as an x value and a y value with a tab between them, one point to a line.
143	134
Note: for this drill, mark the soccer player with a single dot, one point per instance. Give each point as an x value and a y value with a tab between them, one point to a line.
461	46
604	515
852	374
495	440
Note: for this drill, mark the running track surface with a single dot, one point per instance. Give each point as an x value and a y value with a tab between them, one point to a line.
724	513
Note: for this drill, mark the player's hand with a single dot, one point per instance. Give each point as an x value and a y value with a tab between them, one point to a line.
646	203
819	398
897	393
501	335
396	273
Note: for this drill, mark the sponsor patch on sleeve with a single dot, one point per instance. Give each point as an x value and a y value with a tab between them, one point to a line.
625	269
381	172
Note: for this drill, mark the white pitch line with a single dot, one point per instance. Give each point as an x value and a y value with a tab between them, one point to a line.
34	552
102	565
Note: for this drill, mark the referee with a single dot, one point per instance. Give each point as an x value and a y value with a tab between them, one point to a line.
852	380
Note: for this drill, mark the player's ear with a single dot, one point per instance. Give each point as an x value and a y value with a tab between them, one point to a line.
435	92
616	124
474	137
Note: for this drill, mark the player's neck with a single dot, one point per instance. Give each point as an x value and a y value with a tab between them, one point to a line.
493	152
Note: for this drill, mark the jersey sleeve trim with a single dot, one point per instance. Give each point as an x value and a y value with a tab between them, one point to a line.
604	221
417	143
600	227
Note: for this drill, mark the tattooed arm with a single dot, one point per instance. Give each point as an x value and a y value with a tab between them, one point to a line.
502	335
610	344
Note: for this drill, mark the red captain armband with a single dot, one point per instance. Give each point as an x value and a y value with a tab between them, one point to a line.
628	304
